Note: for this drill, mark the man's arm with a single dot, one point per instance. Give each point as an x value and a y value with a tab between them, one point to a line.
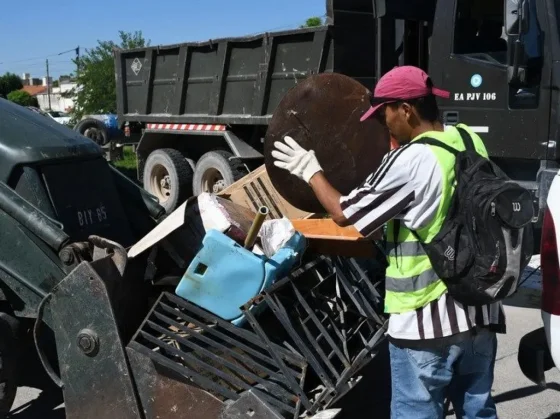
385	195
329	198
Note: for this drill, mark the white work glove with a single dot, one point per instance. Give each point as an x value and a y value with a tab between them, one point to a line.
296	160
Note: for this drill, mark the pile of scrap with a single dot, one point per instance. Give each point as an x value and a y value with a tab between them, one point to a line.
324	236
274	302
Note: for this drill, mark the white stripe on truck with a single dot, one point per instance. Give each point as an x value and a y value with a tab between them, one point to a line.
186	127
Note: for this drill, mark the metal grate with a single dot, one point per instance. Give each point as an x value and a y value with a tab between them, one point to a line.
220	358
306	339
331	314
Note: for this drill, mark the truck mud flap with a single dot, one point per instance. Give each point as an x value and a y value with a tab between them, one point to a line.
302	349
533	356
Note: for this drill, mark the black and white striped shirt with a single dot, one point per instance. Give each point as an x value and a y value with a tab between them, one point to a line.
408	186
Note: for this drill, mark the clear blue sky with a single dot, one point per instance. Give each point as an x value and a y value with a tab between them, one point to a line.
44	29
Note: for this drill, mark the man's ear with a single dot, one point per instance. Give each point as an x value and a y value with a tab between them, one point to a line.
407	110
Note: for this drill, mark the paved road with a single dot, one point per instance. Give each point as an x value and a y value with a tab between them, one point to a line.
516	396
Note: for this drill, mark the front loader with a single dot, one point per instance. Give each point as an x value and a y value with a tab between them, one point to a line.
124	344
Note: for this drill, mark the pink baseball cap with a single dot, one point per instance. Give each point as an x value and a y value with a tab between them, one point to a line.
402	83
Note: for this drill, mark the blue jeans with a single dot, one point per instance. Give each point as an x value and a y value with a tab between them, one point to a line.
422	379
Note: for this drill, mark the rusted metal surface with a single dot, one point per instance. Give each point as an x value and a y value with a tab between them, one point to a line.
323	114
96	379
105	247
250	406
226	361
332	313
74	254
164	394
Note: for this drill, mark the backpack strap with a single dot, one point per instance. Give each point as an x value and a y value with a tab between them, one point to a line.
465	136
467	139
437	143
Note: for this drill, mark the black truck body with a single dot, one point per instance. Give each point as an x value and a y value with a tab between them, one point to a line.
238	81
198	98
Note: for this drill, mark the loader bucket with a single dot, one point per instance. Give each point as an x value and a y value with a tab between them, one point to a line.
125	351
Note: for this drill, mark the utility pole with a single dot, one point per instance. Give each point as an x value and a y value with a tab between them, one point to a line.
48	85
78	61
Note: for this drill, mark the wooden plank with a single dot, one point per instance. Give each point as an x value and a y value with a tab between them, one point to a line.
326	228
325	237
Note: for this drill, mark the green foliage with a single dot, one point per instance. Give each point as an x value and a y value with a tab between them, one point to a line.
8	83
96	92
22	98
313	22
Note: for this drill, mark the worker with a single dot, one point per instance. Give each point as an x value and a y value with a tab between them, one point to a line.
439	349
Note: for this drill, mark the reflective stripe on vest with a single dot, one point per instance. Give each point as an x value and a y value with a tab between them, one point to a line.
411	282
414	299
405	249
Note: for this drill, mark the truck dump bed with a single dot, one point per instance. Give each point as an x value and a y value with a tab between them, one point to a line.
239	80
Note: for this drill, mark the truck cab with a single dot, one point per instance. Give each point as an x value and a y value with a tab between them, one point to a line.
495	59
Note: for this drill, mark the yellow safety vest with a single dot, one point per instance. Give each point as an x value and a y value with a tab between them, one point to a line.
410	282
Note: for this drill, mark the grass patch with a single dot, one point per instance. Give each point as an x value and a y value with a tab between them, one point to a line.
127	166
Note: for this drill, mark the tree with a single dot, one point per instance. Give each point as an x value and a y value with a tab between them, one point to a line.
21	97
96	91
8	83
312	22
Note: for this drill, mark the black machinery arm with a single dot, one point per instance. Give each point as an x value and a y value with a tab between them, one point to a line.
32	218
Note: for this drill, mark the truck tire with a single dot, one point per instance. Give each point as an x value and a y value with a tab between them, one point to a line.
168	176
94	130
8	362
214	172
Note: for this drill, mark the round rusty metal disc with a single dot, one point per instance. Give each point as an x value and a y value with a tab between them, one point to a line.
323	113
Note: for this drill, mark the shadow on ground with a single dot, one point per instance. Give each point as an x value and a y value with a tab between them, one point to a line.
39	408
33	375
520	393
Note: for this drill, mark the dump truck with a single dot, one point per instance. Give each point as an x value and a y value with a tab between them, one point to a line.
200	110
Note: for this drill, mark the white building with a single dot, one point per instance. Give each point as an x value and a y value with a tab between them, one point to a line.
58	101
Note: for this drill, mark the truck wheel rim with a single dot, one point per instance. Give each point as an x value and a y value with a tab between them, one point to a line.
160	183
213	181
93	134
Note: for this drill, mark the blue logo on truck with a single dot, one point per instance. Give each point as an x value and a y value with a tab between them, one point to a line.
476	80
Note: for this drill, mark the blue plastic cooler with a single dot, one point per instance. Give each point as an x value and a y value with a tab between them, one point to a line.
224	275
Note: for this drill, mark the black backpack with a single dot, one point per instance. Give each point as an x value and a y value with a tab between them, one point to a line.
486	240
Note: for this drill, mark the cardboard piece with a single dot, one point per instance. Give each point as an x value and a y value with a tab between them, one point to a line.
256	190
188	224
